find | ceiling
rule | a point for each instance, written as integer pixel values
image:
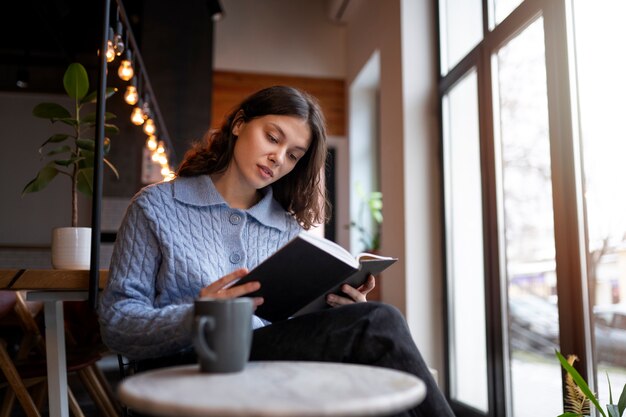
(40, 38)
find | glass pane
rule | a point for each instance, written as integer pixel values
(461, 28)
(599, 33)
(465, 244)
(526, 192)
(503, 8)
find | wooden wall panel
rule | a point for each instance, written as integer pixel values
(230, 88)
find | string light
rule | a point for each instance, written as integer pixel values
(118, 42)
(149, 127)
(137, 116)
(110, 53)
(125, 71)
(151, 143)
(131, 96)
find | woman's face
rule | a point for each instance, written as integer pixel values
(268, 148)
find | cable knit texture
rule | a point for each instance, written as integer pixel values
(176, 238)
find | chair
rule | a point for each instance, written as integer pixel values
(29, 367)
(17, 387)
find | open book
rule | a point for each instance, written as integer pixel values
(296, 279)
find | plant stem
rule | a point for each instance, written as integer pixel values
(75, 169)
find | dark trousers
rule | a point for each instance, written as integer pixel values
(362, 333)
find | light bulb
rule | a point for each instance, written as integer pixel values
(110, 51)
(131, 96)
(155, 157)
(165, 171)
(162, 159)
(137, 116)
(160, 148)
(126, 71)
(151, 143)
(118, 42)
(149, 127)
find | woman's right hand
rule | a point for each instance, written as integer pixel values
(222, 288)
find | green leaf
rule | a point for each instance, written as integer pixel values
(610, 389)
(91, 97)
(621, 404)
(60, 137)
(86, 144)
(110, 165)
(43, 178)
(612, 409)
(76, 81)
(85, 181)
(569, 414)
(87, 161)
(68, 162)
(376, 205)
(51, 111)
(60, 149)
(111, 130)
(91, 117)
(90, 145)
(580, 382)
(68, 121)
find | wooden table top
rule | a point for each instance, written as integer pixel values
(47, 279)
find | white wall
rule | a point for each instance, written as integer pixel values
(295, 37)
(403, 33)
(422, 189)
(287, 37)
(28, 220)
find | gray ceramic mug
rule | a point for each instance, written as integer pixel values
(222, 333)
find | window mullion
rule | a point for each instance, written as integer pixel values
(572, 288)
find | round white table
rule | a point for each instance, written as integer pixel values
(275, 389)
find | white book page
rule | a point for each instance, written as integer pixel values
(365, 256)
(330, 247)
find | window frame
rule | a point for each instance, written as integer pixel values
(568, 204)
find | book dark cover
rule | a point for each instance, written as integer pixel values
(296, 275)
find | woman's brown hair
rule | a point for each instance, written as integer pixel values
(300, 192)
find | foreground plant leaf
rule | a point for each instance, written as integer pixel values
(580, 382)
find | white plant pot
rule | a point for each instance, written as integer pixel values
(71, 248)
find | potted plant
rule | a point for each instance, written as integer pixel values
(578, 393)
(72, 155)
(370, 217)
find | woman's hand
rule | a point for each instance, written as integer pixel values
(222, 288)
(354, 295)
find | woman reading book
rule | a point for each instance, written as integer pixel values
(238, 196)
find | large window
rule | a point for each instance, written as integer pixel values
(533, 141)
(465, 244)
(600, 56)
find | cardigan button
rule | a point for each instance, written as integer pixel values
(235, 258)
(235, 218)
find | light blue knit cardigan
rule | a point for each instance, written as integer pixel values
(176, 238)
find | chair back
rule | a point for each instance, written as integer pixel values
(7, 302)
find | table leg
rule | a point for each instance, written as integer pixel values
(55, 354)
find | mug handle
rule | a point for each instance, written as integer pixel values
(201, 345)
